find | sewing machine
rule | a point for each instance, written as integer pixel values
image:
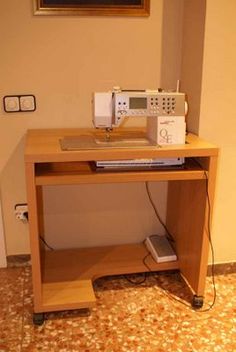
(165, 112)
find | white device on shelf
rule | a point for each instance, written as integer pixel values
(160, 248)
(140, 163)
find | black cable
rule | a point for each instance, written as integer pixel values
(145, 274)
(211, 245)
(168, 234)
(144, 262)
(136, 282)
(46, 244)
(167, 294)
(209, 238)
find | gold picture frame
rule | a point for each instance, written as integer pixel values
(92, 8)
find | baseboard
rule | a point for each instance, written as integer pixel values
(222, 269)
(20, 260)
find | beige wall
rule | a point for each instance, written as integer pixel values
(62, 60)
(171, 48)
(192, 58)
(208, 76)
(218, 117)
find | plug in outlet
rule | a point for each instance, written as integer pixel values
(21, 212)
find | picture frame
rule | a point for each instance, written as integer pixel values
(92, 7)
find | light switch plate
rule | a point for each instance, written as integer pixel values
(27, 103)
(11, 103)
(19, 103)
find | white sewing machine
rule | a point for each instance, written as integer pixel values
(165, 112)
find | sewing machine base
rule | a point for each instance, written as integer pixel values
(98, 142)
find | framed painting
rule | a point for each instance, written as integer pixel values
(93, 7)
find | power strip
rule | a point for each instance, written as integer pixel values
(160, 248)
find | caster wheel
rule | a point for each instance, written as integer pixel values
(38, 318)
(197, 302)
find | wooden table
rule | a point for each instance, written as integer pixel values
(62, 279)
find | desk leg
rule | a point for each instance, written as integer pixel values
(34, 235)
(186, 212)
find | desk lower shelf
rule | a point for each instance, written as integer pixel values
(82, 172)
(67, 275)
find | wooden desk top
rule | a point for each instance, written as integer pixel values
(42, 145)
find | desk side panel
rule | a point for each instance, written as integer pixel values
(34, 225)
(185, 221)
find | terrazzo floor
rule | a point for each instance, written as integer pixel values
(153, 316)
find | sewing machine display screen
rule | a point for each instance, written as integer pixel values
(137, 103)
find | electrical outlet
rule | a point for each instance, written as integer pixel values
(21, 212)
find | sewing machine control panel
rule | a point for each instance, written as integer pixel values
(146, 104)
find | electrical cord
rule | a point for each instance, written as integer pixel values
(166, 294)
(211, 245)
(170, 296)
(168, 234)
(145, 274)
(209, 238)
(46, 244)
(136, 282)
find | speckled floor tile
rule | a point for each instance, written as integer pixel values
(11, 308)
(154, 316)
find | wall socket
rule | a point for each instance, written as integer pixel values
(21, 212)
